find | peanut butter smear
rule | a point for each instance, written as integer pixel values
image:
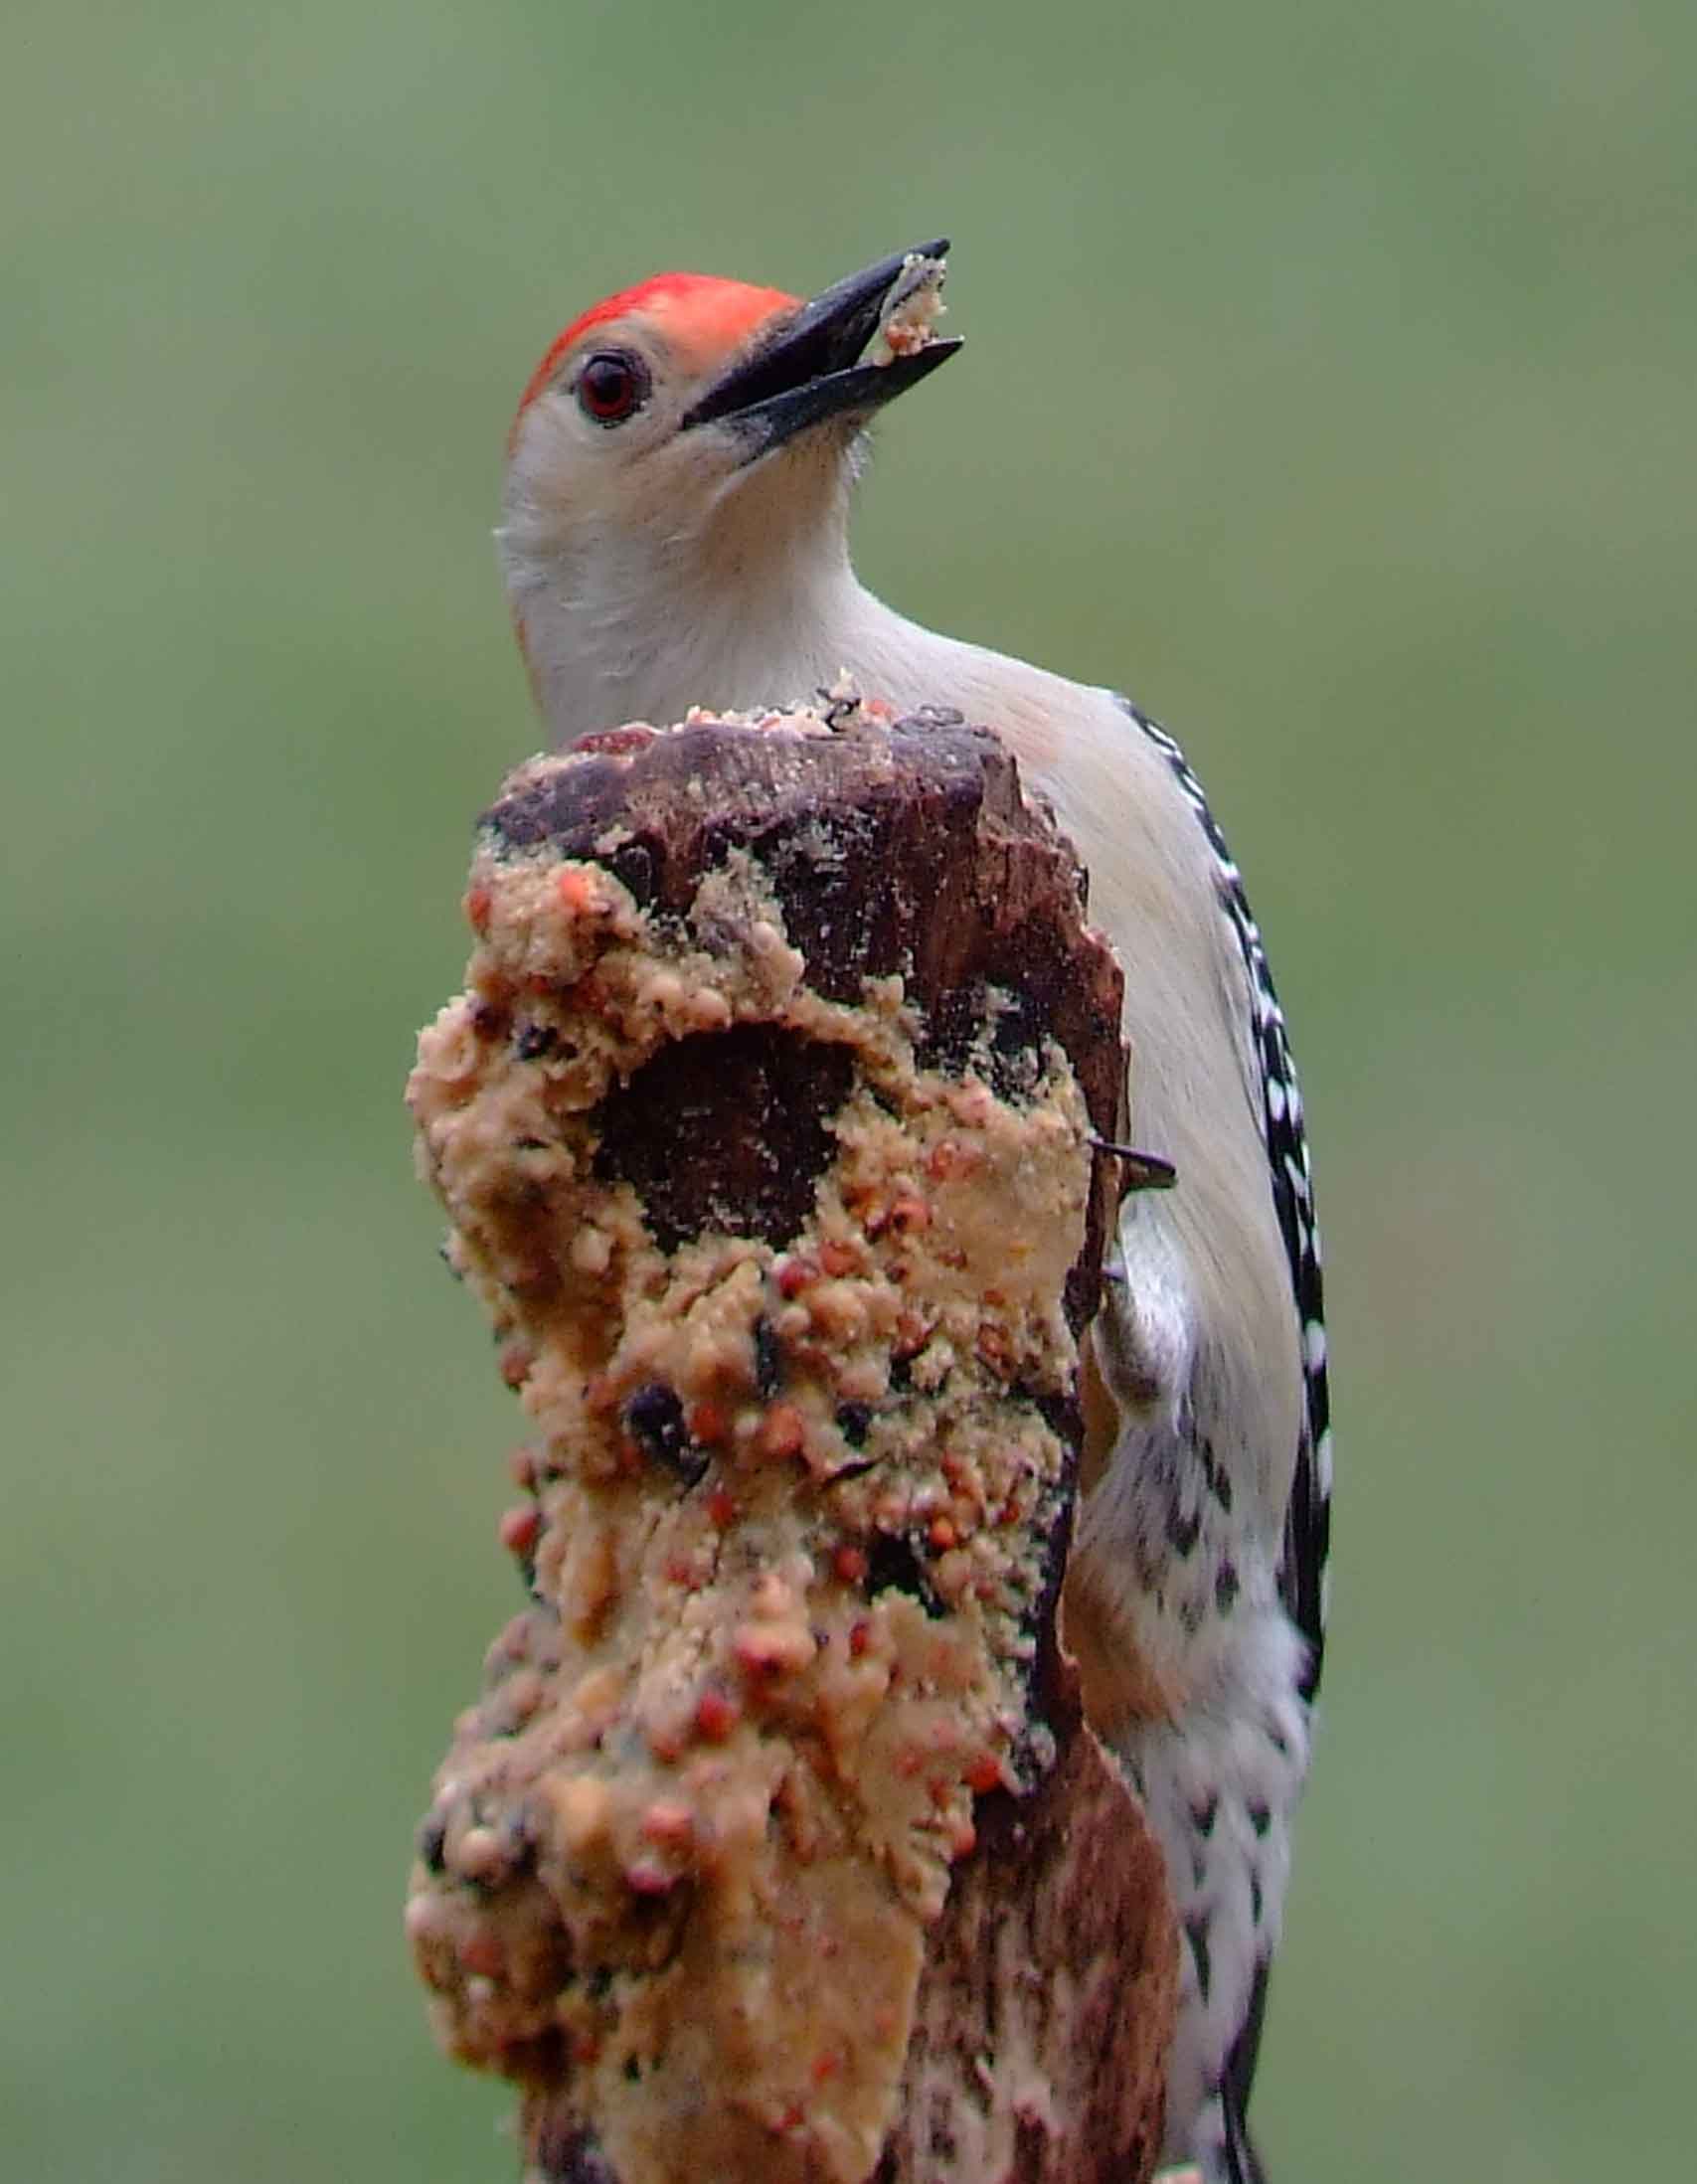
(790, 1507)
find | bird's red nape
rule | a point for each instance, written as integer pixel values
(702, 316)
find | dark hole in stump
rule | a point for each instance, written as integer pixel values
(726, 1130)
(893, 1562)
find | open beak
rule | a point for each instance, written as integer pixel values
(808, 369)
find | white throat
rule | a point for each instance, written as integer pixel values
(753, 603)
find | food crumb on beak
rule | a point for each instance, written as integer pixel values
(907, 321)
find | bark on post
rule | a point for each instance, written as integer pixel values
(775, 1848)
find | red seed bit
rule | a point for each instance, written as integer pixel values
(707, 1422)
(611, 742)
(962, 1839)
(478, 904)
(721, 1509)
(647, 1877)
(797, 1274)
(826, 2065)
(908, 1214)
(850, 1564)
(519, 1529)
(838, 1260)
(717, 1714)
(581, 893)
(586, 2048)
(859, 1638)
(782, 1431)
(521, 1468)
(985, 1775)
(515, 1362)
(942, 1534)
(481, 1951)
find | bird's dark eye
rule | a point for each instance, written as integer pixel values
(613, 386)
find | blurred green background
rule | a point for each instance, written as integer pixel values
(1329, 390)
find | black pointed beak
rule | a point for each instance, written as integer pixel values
(807, 369)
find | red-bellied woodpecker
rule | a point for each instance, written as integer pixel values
(674, 533)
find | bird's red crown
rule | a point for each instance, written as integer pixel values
(702, 317)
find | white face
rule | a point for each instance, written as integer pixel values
(664, 400)
(603, 445)
(629, 536)
(679, 476)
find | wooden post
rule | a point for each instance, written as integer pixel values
(776, 1848)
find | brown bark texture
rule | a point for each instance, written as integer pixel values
(1024, 2044)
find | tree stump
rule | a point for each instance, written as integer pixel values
(775, 1848)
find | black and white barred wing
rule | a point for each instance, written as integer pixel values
(1308, 1523)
